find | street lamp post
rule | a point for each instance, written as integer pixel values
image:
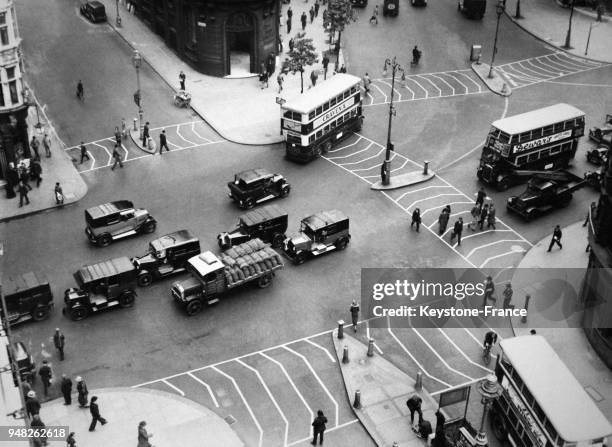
(501, 5)
(567, 45)
(490, 390)
(517, 14)
(385, 172)
(118, 20)
(137, 62)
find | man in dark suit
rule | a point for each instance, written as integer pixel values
(163, 143)
(45, 374)
(58, 341)
(318, 427)
(66, 387)
(145, 134)
(95, 414)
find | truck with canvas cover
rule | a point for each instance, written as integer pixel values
(214, 275)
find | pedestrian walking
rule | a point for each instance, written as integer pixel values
(491, 217)
(32, 404)
(59, 200)
(36, 170)
(556, 238)
(457, 230)
(316, 7)
(80, 91)
(263, 77)
(82, 392)
(163, 142)
(600, 10)
(270, 65)
(94, 410)
(484, 212)
(414, 405)
(279, 80)
(145, 134)
(475, 213)
(312, 14)
(366, 83)
(489, 291)
(440, 421)
(325, 62)
(58, 338)
(342, 69)
(480, 197)
(84, 153)
(289, 13)
(46, 376)
(314, 75)
(66, 387)
(507, 293)
(117, 136)
(416, 219)
(443, 220)
(117, 158)
(124, 131)
(374, 17)
(354, 309)
(182, 78)
(34, 144)
(318, 427)
(291, 44)
(70, 441)
(23, 189)
(416, 55)
(38, 428)
(47, 145)
(288, 25)
(304, 19)
(143, 435)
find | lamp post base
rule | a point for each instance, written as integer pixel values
(385, 172)
(481, 439)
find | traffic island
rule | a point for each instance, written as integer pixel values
(378, 392)
(173, 420)
(494, 80)
(403, 180)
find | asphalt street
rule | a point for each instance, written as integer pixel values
(263, 358)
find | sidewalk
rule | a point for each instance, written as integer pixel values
(173, 420)
(570, 343)
(237, 108)
(548, 21)
(57, 168)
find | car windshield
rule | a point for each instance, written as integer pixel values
(156, 249)
(305, 228)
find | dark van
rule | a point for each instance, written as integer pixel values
(28, 297)
(390, 7)
(94, 11)
(473, 9)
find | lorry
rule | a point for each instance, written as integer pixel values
(28, 297)
(212, 275)
(101, 286)
(547, 191)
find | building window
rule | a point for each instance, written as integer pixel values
(4, 38)
(10, 73)
(2, 104)
(13, 90)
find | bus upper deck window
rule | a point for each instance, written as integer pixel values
(504, 137)
(319, 110)
(347, 94)
(353, 89)
(311, 115)
(525, 136)
(558, 127)
(548, 130)
(332, 102)
(325, 106)
(326, 129)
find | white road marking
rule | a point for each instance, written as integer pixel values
(434, 85)
(365, 159)
(178, 390)
(451, 203)
(344, 147)
(196, 133)
(337, 427)
(351, 154)
(463, 353)
(210, 391)
(316, 345)
(171, 143)
(501, 255)
(110, 156)
(380, 90)
(491, 244)
(244, 401)
(182, 137)
(430, 198)
(481, 232)
(443, 80)
(395, 91)
(440, 357)
(421, 189)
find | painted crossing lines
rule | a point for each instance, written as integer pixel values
(416, 87)
(179, 137)
(363, 158)
(552, 66)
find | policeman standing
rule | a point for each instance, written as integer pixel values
(354, 314)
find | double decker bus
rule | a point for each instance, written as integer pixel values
(314, 121)
(542, 403)
(543, 139)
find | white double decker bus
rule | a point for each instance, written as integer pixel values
(314, 121)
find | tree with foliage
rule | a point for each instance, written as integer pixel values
(302, 55)
(339, 13)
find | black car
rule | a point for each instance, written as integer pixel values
(167, 255)
(359, 3)
(94, 11)
(257, 186)
(390, 7)
(101, 286)
(268, 224)
(418, 2)
(28, 297)
(597, 156)
(116, 220)
(472, 9)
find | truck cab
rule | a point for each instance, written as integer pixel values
(167, 255)
(101, 286)
(268, 224)
(320, 233)
(28, 297)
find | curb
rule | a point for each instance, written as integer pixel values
(204, 116)
(38, 211)
(541, 39)
(489, 82)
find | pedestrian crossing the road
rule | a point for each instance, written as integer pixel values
(544, 68)
(270, 397)
(178, 136)
(416, 87)
(500, 246)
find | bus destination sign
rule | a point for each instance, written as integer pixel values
(332, 113)
(290, 125)
(542, 141)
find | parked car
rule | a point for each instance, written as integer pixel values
(115, 220)
(101, 286)
(268, 224)
(390, 7)
(418, 2)
(167, 255)
(320, 233)
(26, 367)
(28, 297)
(94, 11)
(598, 156)
(359, 3)
(257, 186)
(602, 135)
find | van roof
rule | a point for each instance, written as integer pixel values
(173, 239)
(25, 281)
(324, 218)
(260, 215)
(105, 269)
(96, 212)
